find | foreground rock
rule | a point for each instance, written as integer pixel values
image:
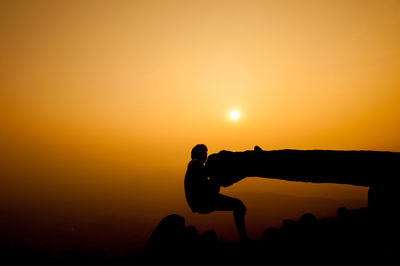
(173, 240)
(350, 236)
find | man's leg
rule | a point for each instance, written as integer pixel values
(238, 214)
(225, 203)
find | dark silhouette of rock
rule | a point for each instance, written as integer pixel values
(378, 170)
(348, 237)
(172, 240)
(168, 235)
(361, 168)
(342, 213)
(272, 233)
(307, 220)
(257, 148)
(209, 238)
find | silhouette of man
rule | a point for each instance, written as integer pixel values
(203, 196)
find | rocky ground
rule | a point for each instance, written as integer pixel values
(353, 236)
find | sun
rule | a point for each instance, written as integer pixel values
(234, 115)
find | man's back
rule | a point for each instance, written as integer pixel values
(198, 187)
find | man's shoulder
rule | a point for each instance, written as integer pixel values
(195, 163)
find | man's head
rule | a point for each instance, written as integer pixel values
(200, 152)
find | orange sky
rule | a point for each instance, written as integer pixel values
(115, 93)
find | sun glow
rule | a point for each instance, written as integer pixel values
(234, 115)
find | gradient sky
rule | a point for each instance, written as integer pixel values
(99, 97)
